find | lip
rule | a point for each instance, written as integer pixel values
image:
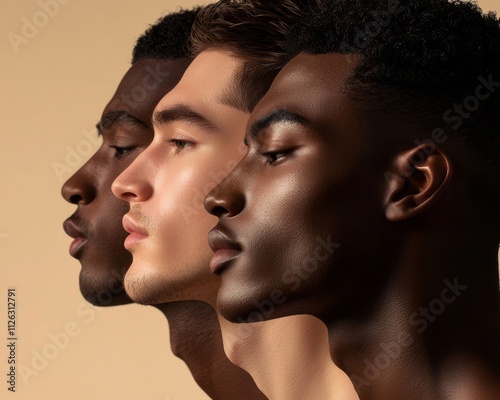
(73, 230)
(225, 250)
(136, 232)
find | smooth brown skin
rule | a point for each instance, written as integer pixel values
(322, 175)
(98, 218)
(194, 329)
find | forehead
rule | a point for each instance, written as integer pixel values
(312, 86)
(207, 81)
(144, 85)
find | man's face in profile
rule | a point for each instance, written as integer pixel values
(198, 140)
(96, 225)
(299, 207)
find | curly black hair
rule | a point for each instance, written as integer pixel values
(168, 38)
(419, 57)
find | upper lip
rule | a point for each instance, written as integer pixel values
(131, 226)
(72, 229)
(219, 239)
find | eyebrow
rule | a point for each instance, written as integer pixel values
(275, 118)
(117, 117)
(183, 113)
(233, 97)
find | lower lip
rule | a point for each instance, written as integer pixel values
(222, 257)
(76, 246)
(133, 239)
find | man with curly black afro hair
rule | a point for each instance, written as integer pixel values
(369, 196)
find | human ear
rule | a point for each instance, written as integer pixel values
(417, 179)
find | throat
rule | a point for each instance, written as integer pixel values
(195, 337)
(288, 358)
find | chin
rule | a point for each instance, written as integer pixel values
(249, 307)
(117, 300)
(234, 308)
(147, 286)
(102, 291)
(139, 286)
(157, 281)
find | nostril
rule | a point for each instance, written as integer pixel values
(128, 196)
(218, 211)
(75, 199)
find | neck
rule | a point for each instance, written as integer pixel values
(288, 358)
(195, 337)
(436, 323)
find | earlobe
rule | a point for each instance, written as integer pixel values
(417, 179)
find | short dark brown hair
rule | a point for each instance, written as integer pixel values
(253, 31)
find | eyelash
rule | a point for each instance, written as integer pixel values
(177, 142)
(121, 151)
(274, 156)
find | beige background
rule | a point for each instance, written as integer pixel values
(52, 90)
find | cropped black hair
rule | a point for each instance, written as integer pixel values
(420, 57)
(168, 38)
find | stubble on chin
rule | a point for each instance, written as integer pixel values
(150, 287)
(100, 290)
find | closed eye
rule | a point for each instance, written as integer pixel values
(274, 156)
(121, 151)
(180, 144)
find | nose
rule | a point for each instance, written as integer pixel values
(80, 188)
(133, 184)
(227, 199)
